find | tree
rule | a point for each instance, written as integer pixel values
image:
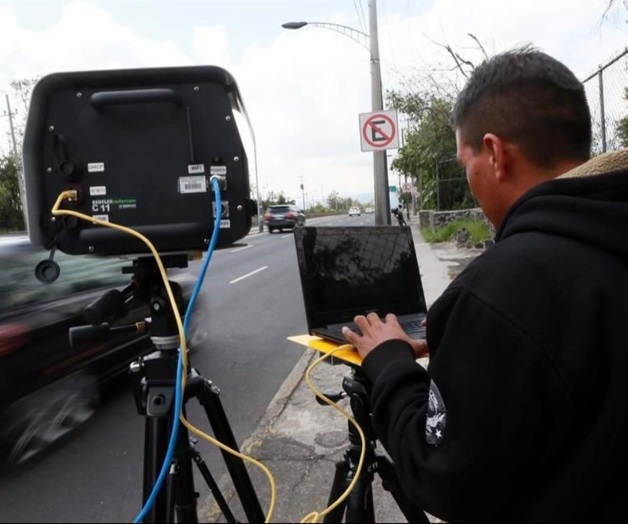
(430, 145)
(428, 154)
(21, 91)
(276, 199)
(11, 212)
(333, 200)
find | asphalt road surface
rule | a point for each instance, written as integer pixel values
(251, 301)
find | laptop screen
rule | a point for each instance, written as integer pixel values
(349, 271)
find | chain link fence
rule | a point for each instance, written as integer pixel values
(607, 94)
(452, 189)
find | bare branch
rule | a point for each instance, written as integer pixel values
(477, 41)
(451, 52)
(468, 62)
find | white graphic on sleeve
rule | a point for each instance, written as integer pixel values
(436, 417)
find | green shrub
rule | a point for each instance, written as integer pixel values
(478, 231)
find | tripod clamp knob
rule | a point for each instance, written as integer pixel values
(333, 395)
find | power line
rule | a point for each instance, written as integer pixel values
(390, 44)
(360, 13)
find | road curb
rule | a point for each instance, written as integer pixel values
(274, 410)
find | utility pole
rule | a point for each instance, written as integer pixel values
(16, 158)
(302, 190)
(10, 115)
(380, 171)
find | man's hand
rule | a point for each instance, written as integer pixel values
(374, 332)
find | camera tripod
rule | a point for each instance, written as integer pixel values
(154, 383)
(359, 505)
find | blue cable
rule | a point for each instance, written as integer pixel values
(178, 404)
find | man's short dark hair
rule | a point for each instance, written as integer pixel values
(530, 99)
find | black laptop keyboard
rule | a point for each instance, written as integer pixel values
(409, 326)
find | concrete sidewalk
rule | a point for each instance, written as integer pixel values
(300, 441)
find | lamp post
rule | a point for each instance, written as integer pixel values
(371, 42)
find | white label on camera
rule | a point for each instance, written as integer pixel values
(196, 168)
(97, 191)
(192, 184)
(104, 218)
(96, 167)
(225, 223)
(217, 170)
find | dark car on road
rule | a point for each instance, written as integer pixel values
(286, 216)
(47, 386)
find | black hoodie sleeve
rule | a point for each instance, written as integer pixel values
(470, 437)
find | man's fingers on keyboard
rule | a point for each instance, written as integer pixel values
(391, 318)
(348, 334)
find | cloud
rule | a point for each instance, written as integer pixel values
(304, 93)
(84, 37)
(305, 89)
(211, 45)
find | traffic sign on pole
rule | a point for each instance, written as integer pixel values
(379, 131)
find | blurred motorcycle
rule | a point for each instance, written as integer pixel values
(399, 216)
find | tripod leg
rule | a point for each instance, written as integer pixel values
(185, 495)
(390, 482)
(360, 502)
(337, 489)
(358, 507)
(208, 396)
(155, 447)
(211, 483)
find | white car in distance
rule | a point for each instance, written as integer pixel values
(354, 211)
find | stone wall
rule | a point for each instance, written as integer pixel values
(437, 219)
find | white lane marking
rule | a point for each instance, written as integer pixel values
(240, 248)
(288, 236)
(248, 275)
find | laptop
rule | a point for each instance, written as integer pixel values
(349, 271)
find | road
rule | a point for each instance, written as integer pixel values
(251, 301)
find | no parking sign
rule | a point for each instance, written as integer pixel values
(379, 131)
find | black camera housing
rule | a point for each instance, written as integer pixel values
(139, 146)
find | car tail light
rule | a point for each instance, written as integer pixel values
(12, 337)
(267, 216)
(290, 215)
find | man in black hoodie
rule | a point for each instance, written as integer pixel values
(522, 414)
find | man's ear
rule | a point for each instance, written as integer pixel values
(497, 155)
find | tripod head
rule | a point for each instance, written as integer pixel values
(146, 286)
(357, 388)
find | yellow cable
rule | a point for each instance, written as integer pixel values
(72, 195)
(315, 516)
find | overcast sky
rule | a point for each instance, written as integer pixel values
(303, 90)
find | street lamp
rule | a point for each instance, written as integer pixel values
(369, 41)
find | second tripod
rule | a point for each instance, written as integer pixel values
(359, 505)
